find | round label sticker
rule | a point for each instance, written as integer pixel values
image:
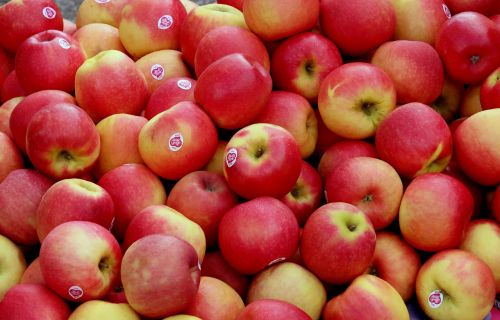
(447, 11)
(435, 299)
(175, 142)
(75, 292)
(184, 84)
(49, 13)
(165, 22)
(157, 71)
(102, 1)
(231, 157)
(64, 43)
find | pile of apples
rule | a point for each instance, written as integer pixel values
(250, 159)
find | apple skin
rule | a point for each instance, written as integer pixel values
(216, 163)
(5, 113)
(471, 101)
(238, 4)
(468, 46)
(33, 301)
(209, 199)
(69, 27)
(110, 83)
(133, 187)
(233, 90)
(165, 285)
(396, 262)
(13, 265)
(475, 147)
(178, 141)
(73, 199)
(97, 37)
(423, 143)
(49, 60)
(330, 236)
(354, 98)
(357, 27)
(448, 102)
(6, 64)
(435, 210)
(486, 7)
(326, 137)
(301, 62)
(170, 92)
(107, 12)
(271, 309)
(20, 20)
(11, 87)
(84, 246)
(20, 194)
(490, 91)
(367, 292)
(306, 291)
(215, 300)
(249, 252)
(482, 238)
(10, 156)
(62, 141)
(274, 20)
(161, 219)
(370, 184)
(465, 282)
(415, 68)
(33, 273)
(262, 160)
(97, 309)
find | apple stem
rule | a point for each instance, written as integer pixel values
(475, 59)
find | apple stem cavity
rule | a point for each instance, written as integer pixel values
(474, 59)
(367, 198)
(368, 107)
(352, 227)
(65, 155)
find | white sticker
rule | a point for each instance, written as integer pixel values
(231, 157)
(175, 142)
(165, 22)
(75, 292)
(447, 11)
(49, 13)
(64, 43)
(435, 299)
(157, 72)
(184, 84)
(102, 1)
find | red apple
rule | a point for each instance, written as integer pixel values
(33, 273)
(326, 137)
(490, 91)
(5, 113)
(448, 102)
(11, 87)
(470, 102)
(272, 309)
(97, 37)
(486, 7)
(6, 65)
(98, 309)
(100, 11)
(170, 92)
(10, 156)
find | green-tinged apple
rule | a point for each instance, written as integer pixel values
(367, 297)
(10, 156)
(97, 309)
(177, 141)
(110, 83)
(423, 142)
(486, 7)
(160, 275)
(272, 309)
(357, 27)
(100, 11)
(470, 102)
(414, 67)
(119, 134)
(258, 233)
(20, 20)
(396, 262)
(337, 243)
(33, 273)
(354, 98)
(482, 238)
(234, 90)
(12, 265)
(448, 102)
(133, 187)
(97, 37)
(305, 292)
(70, 200)
(300, 63)
(86, 247)
(490, 91)
(5, 113)
(262, 160)
(20, 194)
(434, 212)
(62, 141)
(370, 184)
(165, 220)
(455, 285)
(11, 88)
(215, 300)
(161, 65)
(170, 92)
(33, 301)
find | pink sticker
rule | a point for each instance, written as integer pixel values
(49, 13)
(175, 142)
(102, 1)
(157, 72)
(231, 157)
(447, 11)
(75, 292)
(435, 299)
(64, 43)
(184, 84)
(165, 22)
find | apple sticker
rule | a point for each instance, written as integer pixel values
(64, 43)
(231, 157)
(435, 299)
(75, 292)
(175, 142)
(184, 84)
(165, 22)
(157, 72)
(49, 13)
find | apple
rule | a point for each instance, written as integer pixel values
(182, 316)
(234, 90)
(5, 113)
(326, 137)
(471, 101)
(189, 5)
(170, 92)
(238, 4)
(73, 199)
(468, 46)
(486, 7)
(301, 62)
(178, 141)
(84, 246)
(250, 251)
(455, 284)
(20, 194)
(97, 309)
(110, 83)
(10, 156)
(160, 275)
(33, 273)
(11, 87)
(357, 27)
(306, 291)
(354, 98)
(133, 187)
(6, 65)
(216, 163)
(331, 236)
(13, 265)
(97, 37)
(262, 160)
(69, 27)
(490, 90)
(448, 102)
(272, 309)
(367, 292)
(100, 11)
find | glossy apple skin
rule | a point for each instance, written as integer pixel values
(486, 7)
(5, 114)
(6, 65)
(490, 91)
(108, 12)
(97, 37)
(10, 156)
(272, 309)
(169, 93)
(98, 309)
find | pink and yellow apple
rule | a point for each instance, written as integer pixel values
(170, 92)
(5, 113)
(97, 37)
(100, 11)
(12, 265)
(97, 309)
(10, 156)
(490, 91)
(272, 309)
